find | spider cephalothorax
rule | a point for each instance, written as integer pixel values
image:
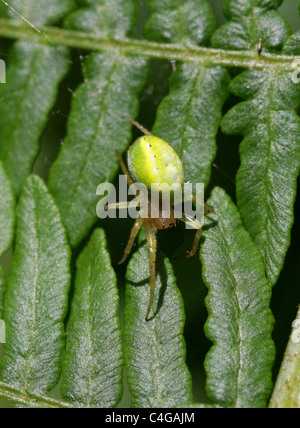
(152, 162)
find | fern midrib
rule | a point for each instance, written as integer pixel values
(37, 297)
(17, 396)
(89, 292)
(32, 333)
(267, 174)
(156, 376)
(126, 46)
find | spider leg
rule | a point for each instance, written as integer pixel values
(139, 126)
(195, 224)
(116, 206)
(198, 226)
(124, 169)
(151, 232)
(134, 232)
(195, 246)
(207, 208)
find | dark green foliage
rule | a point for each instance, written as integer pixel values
(39, 12)
(103, 18)
(270, 159)
(188, 119)
(292, 45)
(250, 20)
(185, 22)
(155, 349)
(93, 364)
(37, 294)
(239, 364)
(95, 132)
(96, 128)
(268, 121)
(243, 249)
(7, 212)
(33, 76)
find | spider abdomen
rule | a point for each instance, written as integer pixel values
(153, 161)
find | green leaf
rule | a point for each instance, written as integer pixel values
(292, 46)
(200, 406)
(155, 349)
(7, 212)
(286, 393)
(37, 294)
(189, 117)
(270, 159)
(96, 129)
(33, 76)
(36, 11)
(239, 364)
(174, 21)
(250, 20)
(2, 291)
(103, 18)
(157, 371)
(93, 364)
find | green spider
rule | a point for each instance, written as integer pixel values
(153, 161)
